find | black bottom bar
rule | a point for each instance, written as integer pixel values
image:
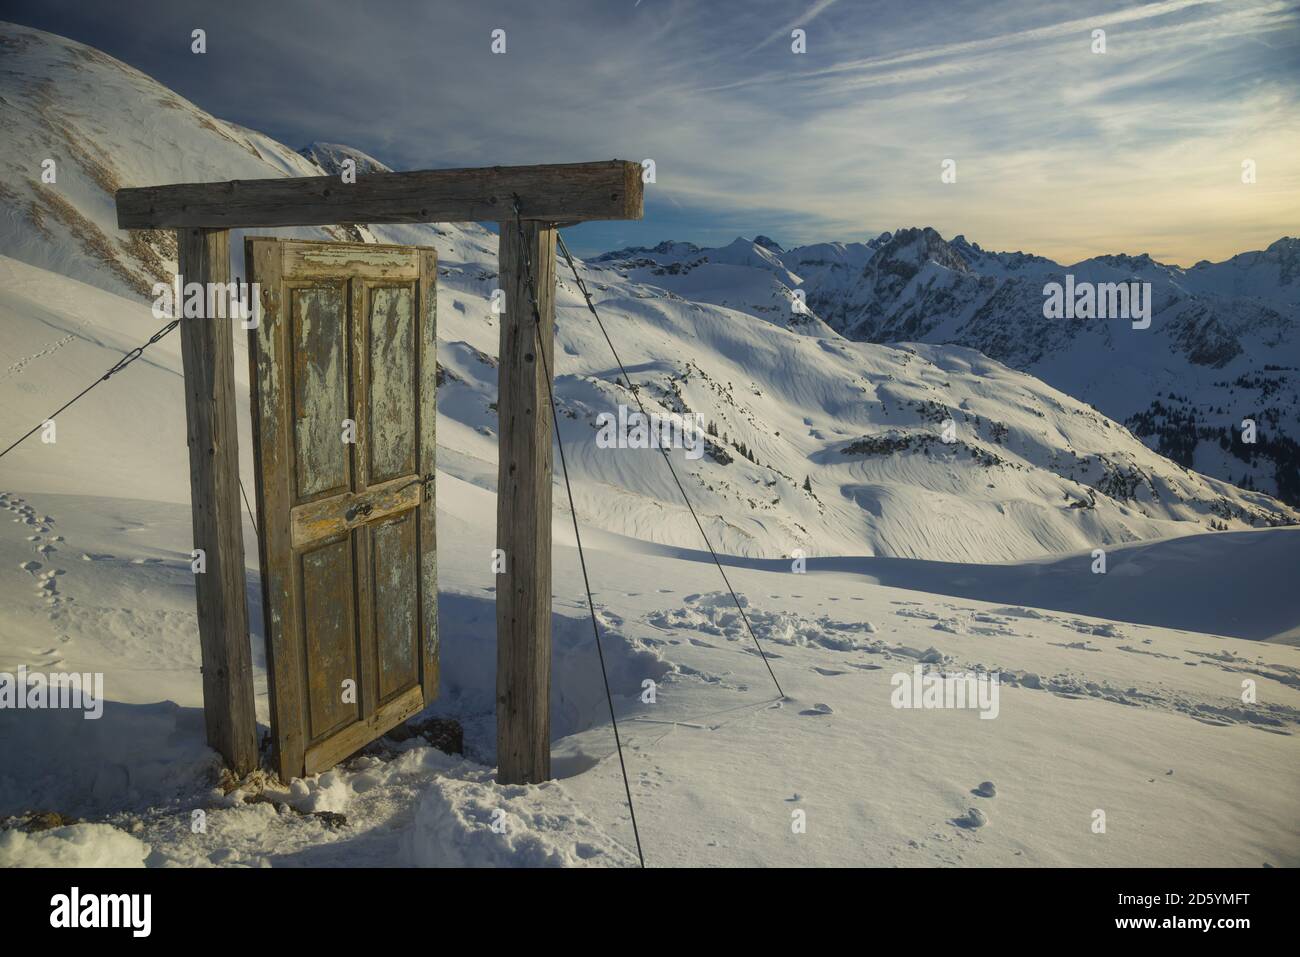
(267, 907)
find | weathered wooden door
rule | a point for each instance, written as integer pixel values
(343, 376)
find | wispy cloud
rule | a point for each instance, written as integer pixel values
(1059, 150)
(811, 14)
(950, 55)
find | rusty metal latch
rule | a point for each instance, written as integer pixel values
(364, 509)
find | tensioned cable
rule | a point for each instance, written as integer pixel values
(121, 364)
(573, 511)
(636, 394)
(251, 518)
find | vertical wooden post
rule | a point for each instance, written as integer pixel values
(208, 354)
(524, 507)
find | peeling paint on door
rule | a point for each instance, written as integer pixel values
(348, 548)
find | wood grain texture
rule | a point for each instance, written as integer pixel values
(394, 569)
(325, 518)
(272, 446)
(356, 262)
(319, 323)
(427, 429)
(326, 754)
(390, 362)
(212, 433)
(523, 596)
(308, 260)
(567, 192)
(329, 616)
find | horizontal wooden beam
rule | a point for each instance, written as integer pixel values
(569, 192)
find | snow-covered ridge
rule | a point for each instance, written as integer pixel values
(1222, 346)
(106, 126)
(331, 156)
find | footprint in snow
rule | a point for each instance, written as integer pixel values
(972, 820)
(30, 567)
(987, 789)
(817, 710)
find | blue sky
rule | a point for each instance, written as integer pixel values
(1059, 150)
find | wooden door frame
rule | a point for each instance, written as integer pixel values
(202, 214)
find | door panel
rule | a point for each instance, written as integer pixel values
(348, 537)
(393, 356)
(397, 609)
(320, 397)
(330, 626)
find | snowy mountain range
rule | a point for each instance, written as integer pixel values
(1222, 345)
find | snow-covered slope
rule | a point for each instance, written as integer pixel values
(746, 275)
(1222, 345)
(1141, 720)
(106, 125)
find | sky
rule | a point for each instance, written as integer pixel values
(1058, 150)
